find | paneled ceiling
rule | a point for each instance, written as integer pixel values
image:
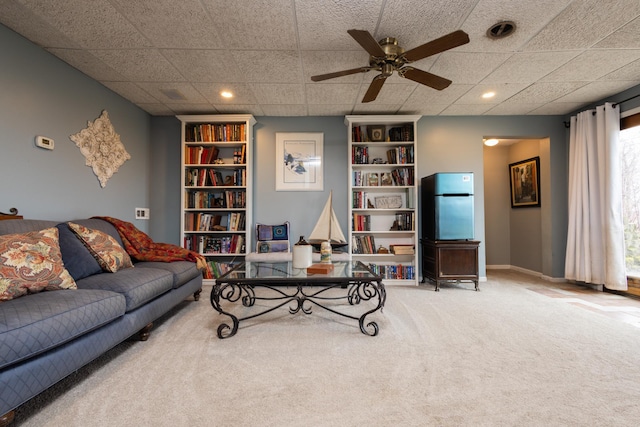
(175, 57)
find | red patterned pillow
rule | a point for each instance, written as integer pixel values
(30, 263)
(104, 248)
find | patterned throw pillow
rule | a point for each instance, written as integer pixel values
(30, 263)
(104, 248)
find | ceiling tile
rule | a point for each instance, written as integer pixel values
(512, 108)
(425, 109)
(337, 93)
(556, 108)
(372, 108)
(626, 37)
(426, 95)
(268, 66)
(187, 92)
(242, 93)
(541, 93)
(253, 109)
(584, 23)
(596, 90)
(92, 24)
(284, 110)
(186, 108)
(529, 67)
(139, 65)
(629, 72)
(183, 23)
(254, 24)
(131, 91)
(593, 64)
(502, 92)
(323, 24)
(279, 93)
(88, 63)
(330, 110)
(467, 67)
(198, 65)
(465, 110)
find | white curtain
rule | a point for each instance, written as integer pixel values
(595, 240)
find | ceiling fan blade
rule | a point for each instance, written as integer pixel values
(374, 88)
(366, 40)
(455, 39)
(424, 78)
(340, 74)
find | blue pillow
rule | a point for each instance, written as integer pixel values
(76, 258)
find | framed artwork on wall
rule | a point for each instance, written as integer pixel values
(299, 161)
(524, 177)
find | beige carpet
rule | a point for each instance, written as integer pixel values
(504, 356)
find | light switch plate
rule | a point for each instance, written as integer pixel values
(142, 213)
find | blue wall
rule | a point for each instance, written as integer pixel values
(41, 95)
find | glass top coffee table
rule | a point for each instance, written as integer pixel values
(350, 290)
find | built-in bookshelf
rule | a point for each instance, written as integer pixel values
(383, 195)
(216, 187)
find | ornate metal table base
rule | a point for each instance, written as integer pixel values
(300, 297)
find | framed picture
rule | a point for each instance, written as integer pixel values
(299, 161)
(525, 183)
(376, 132)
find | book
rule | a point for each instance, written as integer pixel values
(320, 268)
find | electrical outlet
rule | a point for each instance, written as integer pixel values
(142, 213)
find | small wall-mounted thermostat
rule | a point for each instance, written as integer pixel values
(44, 142)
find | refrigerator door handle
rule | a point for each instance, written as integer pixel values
(456, 195)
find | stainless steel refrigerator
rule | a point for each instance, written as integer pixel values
(447, 206)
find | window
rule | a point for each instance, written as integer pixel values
(630, 139)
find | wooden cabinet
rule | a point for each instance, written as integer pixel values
(216, 202)
(450, 260)
(383, 195)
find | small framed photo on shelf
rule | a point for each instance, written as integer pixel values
(376, 133)
(386, 178)
(372, 179)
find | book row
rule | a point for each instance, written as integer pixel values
(199, 155)
(405, 221)
(213, 245)
(361, 222)
(219, 268)
(399, 271)
(397, 177)
(212, 132)
(369, 133)
(363, 245)
(209, 177)
(215, 200)
(197, 221)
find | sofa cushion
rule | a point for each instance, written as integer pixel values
(138, 285)
(37, 323)
(77, 258)
(182, 271)
(104, 248)
(31, 262)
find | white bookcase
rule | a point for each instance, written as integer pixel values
(216, 201)
(383, 195)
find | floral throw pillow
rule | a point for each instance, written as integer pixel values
(104, 248)
(31, 262)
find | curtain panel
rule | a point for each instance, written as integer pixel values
(595, 237)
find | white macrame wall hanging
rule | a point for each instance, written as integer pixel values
(101, 146)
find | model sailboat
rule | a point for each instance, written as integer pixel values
(328, 228)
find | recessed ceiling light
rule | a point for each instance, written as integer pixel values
(488, 95)
(226, 94)
(491, 142)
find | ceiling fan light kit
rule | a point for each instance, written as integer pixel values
(386, 56)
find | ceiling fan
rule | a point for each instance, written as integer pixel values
(386, 56)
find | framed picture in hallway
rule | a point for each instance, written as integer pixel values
(525, 183)
(299, 161)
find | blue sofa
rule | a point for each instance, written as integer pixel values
(46, 336)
